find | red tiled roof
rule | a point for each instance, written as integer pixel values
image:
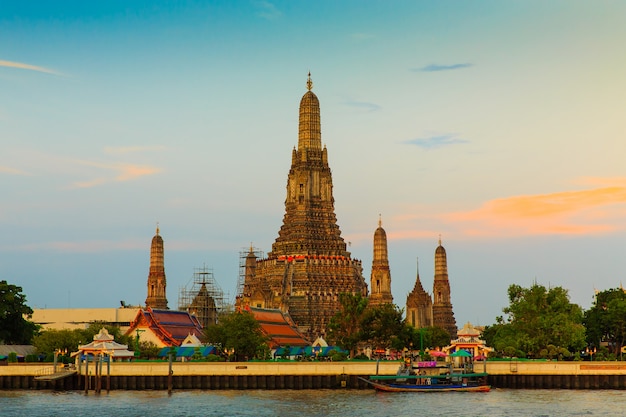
(279, 327)
(171, 327)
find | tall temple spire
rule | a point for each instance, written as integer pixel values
(310, 211)
(309, 128)
(156, 277)
(380, 291)
(309, 265)
(443, 316)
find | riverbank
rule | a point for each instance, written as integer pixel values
(304, 375)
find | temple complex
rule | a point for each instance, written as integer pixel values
(380, 282)
(424, 311)
(156, 277)
(309, 265)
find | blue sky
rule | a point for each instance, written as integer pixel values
(497, 125)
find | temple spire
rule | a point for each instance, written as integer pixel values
(156, 277)
(309, 128)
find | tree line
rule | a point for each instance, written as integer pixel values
(539, 322)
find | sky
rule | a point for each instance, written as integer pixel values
(496, 126)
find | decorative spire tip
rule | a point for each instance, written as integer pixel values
(309, 82)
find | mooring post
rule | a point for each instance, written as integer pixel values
(109, 372)
(86, 374)
(169, 374)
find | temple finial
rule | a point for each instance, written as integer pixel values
(309, 82)
(439, 239)
(157, 229)
(380, 220)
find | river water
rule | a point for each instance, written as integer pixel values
(304, 403)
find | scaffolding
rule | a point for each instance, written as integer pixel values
(243, 255)
(203, 297)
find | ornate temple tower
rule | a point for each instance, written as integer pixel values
(156, 278)
(309, 265)
(380, 283)
(419, 306)
(442, 307)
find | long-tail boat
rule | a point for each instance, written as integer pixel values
(428, 377)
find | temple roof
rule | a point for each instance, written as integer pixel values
(103, 343)
(279, 327)
(171, 327)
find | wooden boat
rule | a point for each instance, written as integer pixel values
(474, 382)
(429, 377)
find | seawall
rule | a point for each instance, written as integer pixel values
(305, 375)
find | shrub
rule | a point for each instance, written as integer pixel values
(12, 357)
(31, 358)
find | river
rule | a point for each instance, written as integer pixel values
(304, 403)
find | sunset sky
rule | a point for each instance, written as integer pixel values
(499, 126)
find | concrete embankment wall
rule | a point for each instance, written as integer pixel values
(559, 375)
(308, 375)
(204, 375)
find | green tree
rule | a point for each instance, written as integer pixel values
(241, 332)
(148, 350)
(344, 328)
(605, 321)
(49, 341)
(537, 318)
(14, 328)
(382, 326)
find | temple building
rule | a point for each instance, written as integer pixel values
(442, 306)
(419, 306)
(380, 282)
(309, 265)
(156, 277)
(164, 327)
(424, 311)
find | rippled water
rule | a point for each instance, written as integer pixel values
(499, 402)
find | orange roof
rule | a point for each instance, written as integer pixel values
(279, 327)
(170, 326)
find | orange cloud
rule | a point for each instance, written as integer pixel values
(600, 208)
(12, 171)
(563, 213)
(21, 65)
(125, 172)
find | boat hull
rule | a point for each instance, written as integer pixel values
(393, 387)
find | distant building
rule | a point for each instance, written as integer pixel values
(443, 316)
(81, 318)
(422, 311)
(204, 298)
(380, 282)
(419, 306)
(156, 277)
